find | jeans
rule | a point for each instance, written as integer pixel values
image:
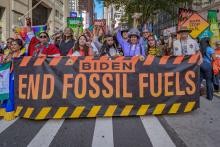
(206, 73)
(216, 83)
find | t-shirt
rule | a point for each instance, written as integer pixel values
(184, 47)
(208, 55)
(187, 47)
(65, 46)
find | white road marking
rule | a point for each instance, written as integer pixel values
(103, 133)
(46, 134)
(5, 124)
(157, 134)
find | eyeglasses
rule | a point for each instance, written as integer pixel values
(110, 40)
(43, 36)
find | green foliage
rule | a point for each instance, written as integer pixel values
(147, 7)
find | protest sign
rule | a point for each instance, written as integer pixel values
(74, 87)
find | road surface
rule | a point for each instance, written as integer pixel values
(200, 128)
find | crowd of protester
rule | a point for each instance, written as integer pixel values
(122, 41)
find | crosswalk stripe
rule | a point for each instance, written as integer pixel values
(5, 124)
(46, 134)
(103, 133)
(156, 133)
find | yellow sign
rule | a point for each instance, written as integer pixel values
(197, 24)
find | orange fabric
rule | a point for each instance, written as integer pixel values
(216, 62)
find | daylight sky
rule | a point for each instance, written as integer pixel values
(99, 9)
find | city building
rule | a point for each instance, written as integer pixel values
(111, 13)
(202, 7)
(86, 8)
(74, 5)
(167, 21)
(46, 11)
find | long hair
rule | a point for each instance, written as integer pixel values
(19, 42)
(204, 44)
(85, 47)
(72, 36)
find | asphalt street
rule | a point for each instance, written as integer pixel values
(200, 128)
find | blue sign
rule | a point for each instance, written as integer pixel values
(206, 33)
(73, 14)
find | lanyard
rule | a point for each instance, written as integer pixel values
(182, 47)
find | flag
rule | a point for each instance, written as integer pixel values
(39, 29)
(4, 81)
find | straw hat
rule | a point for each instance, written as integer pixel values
(184, 29)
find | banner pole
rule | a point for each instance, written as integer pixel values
(30, 10)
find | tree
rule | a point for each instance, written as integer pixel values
(147, 7)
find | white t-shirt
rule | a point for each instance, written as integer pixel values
(187, 47)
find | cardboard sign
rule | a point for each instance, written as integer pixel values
(75, 24)
(197, 24)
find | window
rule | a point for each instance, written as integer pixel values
(61, 16)
(57, 13)
(16, 20)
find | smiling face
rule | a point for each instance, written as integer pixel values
(9, 43)
(110, 41)
(82, 41)
(43, 38)
(151, 41)
(184, 35)
(134, 39)
(146, 34)
(125, 35)
(68, 32)
(15, 46)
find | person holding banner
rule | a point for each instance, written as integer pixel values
(109, 47)
(144, 38)
(153, 48)
(8, 47)
(40, 46)
(132, 47)
(122, 35)
(17, 50)
(67, 42)
(185, 45)
(80, 48)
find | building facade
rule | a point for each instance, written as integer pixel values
(111, 13)
(167, 21)
(202, 7)
(86, 7)
(74, 5)
(47, 11)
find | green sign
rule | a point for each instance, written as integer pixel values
(75, 24)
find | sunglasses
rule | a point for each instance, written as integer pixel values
(43, 36)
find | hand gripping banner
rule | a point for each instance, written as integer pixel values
(75, 87)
